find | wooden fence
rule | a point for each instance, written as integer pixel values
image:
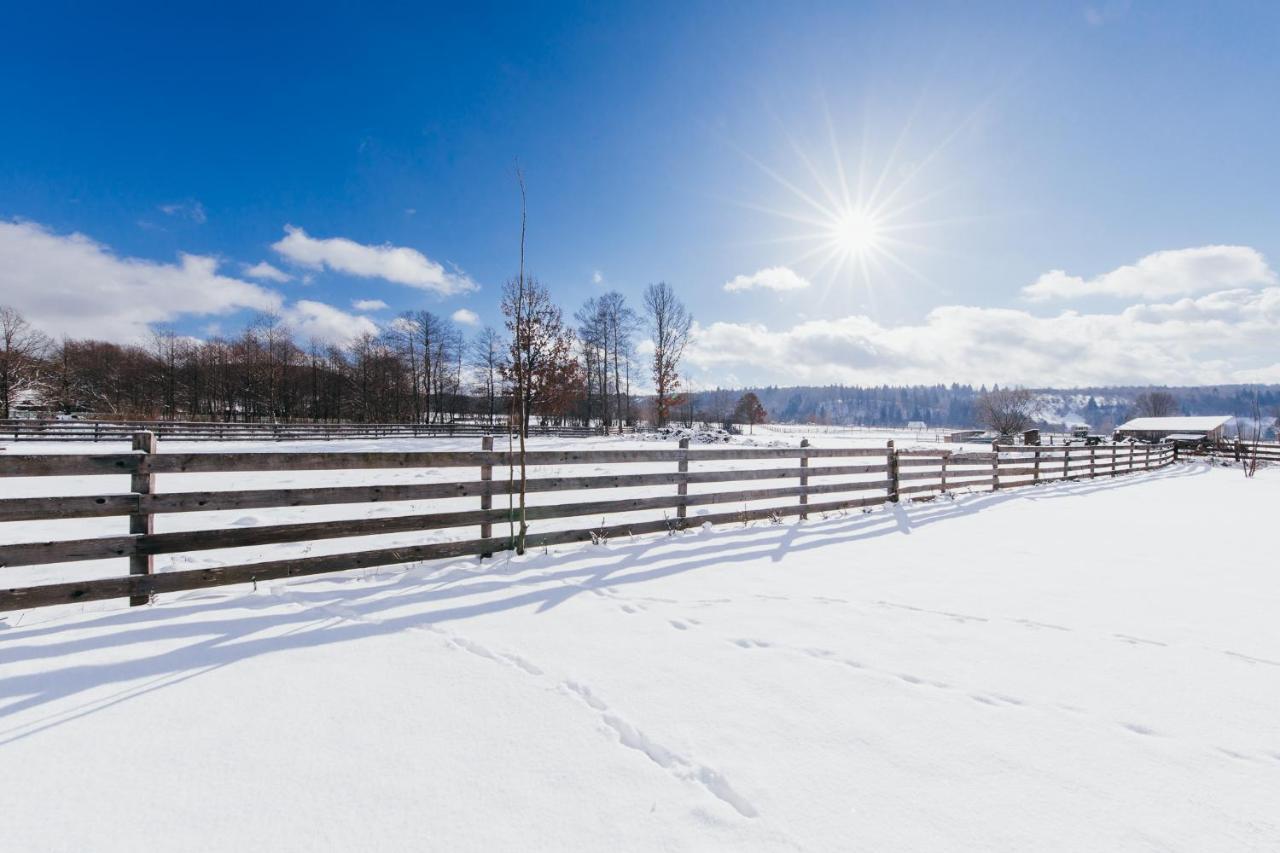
(852, 477)
(26, 429)
(1238, 451)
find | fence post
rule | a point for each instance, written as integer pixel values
(893, 473)
(1115, 459)
(804, 477)
(946, 454)
(142, 522)
(1066, 462)
(1093, 460)
(1035, 477)
(682, 479)
(995, 465)
(486, 499)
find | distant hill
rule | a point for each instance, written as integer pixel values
(1102, 408)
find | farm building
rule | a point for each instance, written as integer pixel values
(917, 425)
(1158, 429)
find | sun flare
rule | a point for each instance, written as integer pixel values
(855, 232)
(857, 222)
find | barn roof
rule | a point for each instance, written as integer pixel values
(1198, 423)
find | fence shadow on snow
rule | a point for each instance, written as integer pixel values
(236, 627)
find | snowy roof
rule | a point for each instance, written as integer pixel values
(1201, 423)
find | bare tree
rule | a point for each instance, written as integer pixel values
(595, 331)
(1155, 404)
(541, 363)
(750, 410)
(1248, 438)
(22, 348)
(486, 362)
(1006, 410)
(514, 309)
(621, 327)
(669, 324)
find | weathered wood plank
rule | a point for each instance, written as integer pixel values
(142, 523)
(971, 459)
(38, 553)
(33, 509)
(92, 506)
(67, 465)
(1014, 472)
(191, 463)
(921, 475)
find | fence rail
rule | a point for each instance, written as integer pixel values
(852, 478)
(1238, 451)
(24, 429)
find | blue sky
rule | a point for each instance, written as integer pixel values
(675, 142)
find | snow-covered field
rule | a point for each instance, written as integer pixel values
(1079, 666)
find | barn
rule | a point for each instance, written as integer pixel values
(1211, 427)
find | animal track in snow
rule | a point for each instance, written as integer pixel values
(958, 617)
(678, 765)
(1139, 641)
(1031, 623)
(1252, 659)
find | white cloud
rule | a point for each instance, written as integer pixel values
(320, 322)
(770, 278)
(72, 285)
(1228, 336)
(368, 304)
(192, 210)
(267, 272)
(1162, 274)
(399, 264)
(466, 317)
(597, 277)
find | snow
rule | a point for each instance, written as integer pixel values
(1080, 666)
(1201, 423)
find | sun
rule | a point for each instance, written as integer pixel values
(857, 222)
(855, 233)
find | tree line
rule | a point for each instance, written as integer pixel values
(420, 368)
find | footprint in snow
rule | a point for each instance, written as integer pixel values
(678, 625)
(1138, 728)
